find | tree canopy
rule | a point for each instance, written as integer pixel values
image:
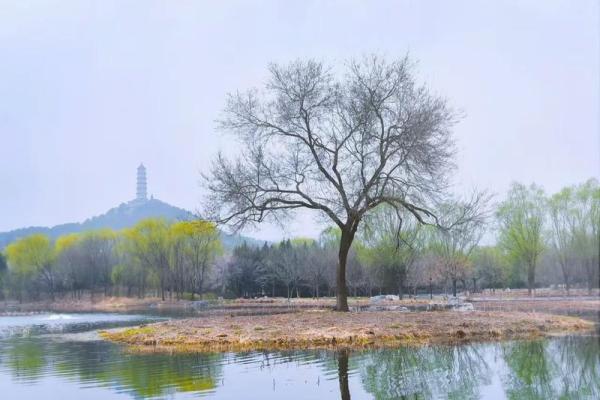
(338, 145)
(521, 217)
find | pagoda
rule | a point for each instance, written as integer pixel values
(141, 191)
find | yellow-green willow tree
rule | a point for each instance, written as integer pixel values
(521, 217)
(194, 247)
(587, 231)
(147, 245)
(33, 255)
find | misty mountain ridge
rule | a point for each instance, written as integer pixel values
(123, 216)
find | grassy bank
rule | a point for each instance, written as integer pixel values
(327, 329)
(98, 304)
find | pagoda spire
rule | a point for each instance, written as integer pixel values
(141, 193)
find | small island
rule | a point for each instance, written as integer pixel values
(317, 327)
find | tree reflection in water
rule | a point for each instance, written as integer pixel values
(103, 364)
(26, 359)
(425, 372)
(564, 368)
(342, 359)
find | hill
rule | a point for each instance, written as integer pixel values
(123, 216)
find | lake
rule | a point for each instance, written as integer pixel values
(59, 356)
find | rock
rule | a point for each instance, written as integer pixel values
(455, 301)
(377, 299)
(464, 307)
(384, 307)
(383, 297)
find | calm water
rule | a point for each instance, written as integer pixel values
(59, 356)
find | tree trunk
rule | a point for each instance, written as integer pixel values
(530, 279)
(401, 278)
(589, 271)
(567, 283)
(201, 281)
(342, 288)
(50, 279)
(454, 287)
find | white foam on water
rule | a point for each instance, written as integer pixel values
(56, 317)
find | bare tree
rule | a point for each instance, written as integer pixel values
(338, 146)
(428, 271)
(454, 245)
(316, 268)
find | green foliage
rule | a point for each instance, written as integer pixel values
(30, 255)
(194, 245)
(147, 244)
(491, 266)
(3, 264)
(563, 233)
(330, 237)
(138, 258)
(586, 231)
(390, 243)
(521, 220)
(33, 256)
(3, 274)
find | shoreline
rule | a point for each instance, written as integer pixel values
(355, 330)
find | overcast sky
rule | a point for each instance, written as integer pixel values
(89, 89)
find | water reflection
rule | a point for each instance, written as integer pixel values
(426, 372)
(561, 368)
(342, 360)
(105, 365)
(568, 368)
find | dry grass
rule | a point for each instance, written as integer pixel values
(327, 329)
(565, 307)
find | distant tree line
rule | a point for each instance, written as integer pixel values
(541, 240)
(169, 259)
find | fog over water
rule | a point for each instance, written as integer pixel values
(88, 90)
